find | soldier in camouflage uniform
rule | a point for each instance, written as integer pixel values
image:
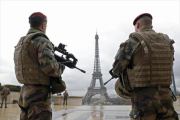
(35, 64)
(147, 59)
(4, 93)
(65, 95)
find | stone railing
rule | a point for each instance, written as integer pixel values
(177, 103)
(71, 100)
(57, 100)
(13, 97)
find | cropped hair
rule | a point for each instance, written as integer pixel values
(36, 21)
(145, 21)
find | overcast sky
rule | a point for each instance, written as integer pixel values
(74, 23)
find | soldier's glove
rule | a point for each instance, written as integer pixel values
(61, 67)
(111, 73)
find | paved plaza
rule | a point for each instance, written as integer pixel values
(76, 112)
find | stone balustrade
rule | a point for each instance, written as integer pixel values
(13, 97)
(177, 103)
(58, 100)
(72, 100)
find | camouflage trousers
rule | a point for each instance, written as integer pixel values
(34, 102)
(65, 101)
(4, 98)
(152, 104)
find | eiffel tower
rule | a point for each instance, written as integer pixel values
(92, 90)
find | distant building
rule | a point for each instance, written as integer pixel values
(113, 96)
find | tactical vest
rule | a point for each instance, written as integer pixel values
(155, 66)
(26, 68)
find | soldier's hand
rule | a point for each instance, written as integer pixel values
(111, 73)
(61, 67)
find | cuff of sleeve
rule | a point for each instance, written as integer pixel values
(61, 67)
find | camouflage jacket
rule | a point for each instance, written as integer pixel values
(124, 56)
(5, 91)
(46, 59)
(65, 94)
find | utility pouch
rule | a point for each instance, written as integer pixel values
(126, 81)
(57, 85)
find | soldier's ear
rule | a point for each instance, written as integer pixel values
(43, 26)
(138, 25)
(151, 26)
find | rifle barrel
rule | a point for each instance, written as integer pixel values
(108, 80)
(80, 69)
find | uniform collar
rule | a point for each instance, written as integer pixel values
(146, 29)
(34, 30)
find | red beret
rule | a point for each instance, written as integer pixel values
(137, 18)
(39, 14)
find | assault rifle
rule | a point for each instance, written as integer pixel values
(69, 60)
